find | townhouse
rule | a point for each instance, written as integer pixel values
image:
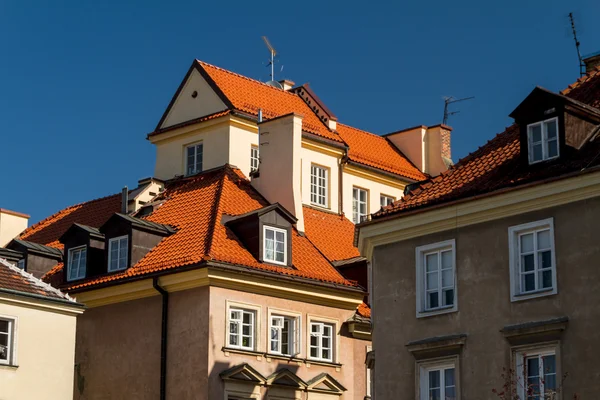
(486, 276)
(232, 272)
(37, 335)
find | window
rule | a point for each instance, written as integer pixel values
(321, 341)
(318, 186)
(284, 335)
(6, 341)
(275, 245)
(385, 200)
(438, 382)
(117, 253)
(193, 159)
(436, 283)
(542, 138)
(536, 374)
(359, 204)
(532, 259)
(369, 394)
(253, 158)
(241, 329)
(77, 263)
(21, 264)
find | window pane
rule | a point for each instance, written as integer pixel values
(3, 326)
(432, 281)
(326, 354)
(315, 328)
(527, 263)
(527, 243)
(447, 278)
(543, 239)
(448, 297)
(433, 300)
(552, 148)
(546, 279)
(246, 342)
(533, 367)
(314, 340)
(270, 234)
(279, 236)
(434, 394)
(363, 195)
(449, 377)
(535, 133)
(434, 379)
(446, 259)
(314, 352)
(545, 259)
(528, 282)
(279, 257)
(551, 129)
(431, 261)
(549, 364)
(537, 152)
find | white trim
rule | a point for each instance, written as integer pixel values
(387, 198)
(420, 253)
(254, 148)
(110, 244)
(256, 325)
(12, 339)
(320, 335)
(185, 158)
(296, 334)
(523, 352)
(315, 180)
(285, 245)
(357, 216)
(423, 369)
(311, 319)
(544, 141)
(514, 232)
(70, 265)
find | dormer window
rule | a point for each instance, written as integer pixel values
(193, 164)
(542, 138)
(77, 263)
(275, 245)
(21, 264)
(117, 253)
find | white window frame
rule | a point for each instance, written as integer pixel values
(11, 340)
(369, 377)
(254, 158)
(420, 253)
(320, 335)
(294, 343)
(285, 245)
(357, 217)
(240, 324)
(185, 155)
(514, 233)
(385, 200)
(544, 140)
(441, 365)
(21, 264)
(111, 243)
(319, 180)
(522, 353)
(79, 267)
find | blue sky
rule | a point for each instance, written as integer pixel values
(83, 82)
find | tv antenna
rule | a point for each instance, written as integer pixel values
(449, 100)
(581, 63)
(273, 54)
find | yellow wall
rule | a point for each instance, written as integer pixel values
(45, 350)
(323, 160)
(375, 190)
(241, 140)
(11, 225)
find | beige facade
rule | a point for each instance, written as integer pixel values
(197, 351)
(42, 356)
(11, 224)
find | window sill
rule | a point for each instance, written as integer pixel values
(242, 351)
(8, 366)
(323, 363)
(281, 357)
(534, 294)
(437, 311)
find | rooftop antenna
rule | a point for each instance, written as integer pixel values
(273, 54)
(581, 63)
(449, 100)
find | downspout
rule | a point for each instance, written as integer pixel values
(343, 162)
(163, 338)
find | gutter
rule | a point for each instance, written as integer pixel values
(343, 162)
(163, 337)
(64, 302)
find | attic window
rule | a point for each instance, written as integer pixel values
(77, 263)
(21, 264)
(117, 253)
(542, 139)
(275, 245)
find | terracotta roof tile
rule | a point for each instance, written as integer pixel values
(364, 310)
(333, 234)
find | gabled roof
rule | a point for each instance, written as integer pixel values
(325, 383)
(243, 373)
(37, 248)
(332, 233)
(496, 165)
(285, 377)
(142, 224)
(196, 207)
(15, 281)
(90, 230)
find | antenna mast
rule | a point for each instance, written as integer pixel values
(581, 64)
(449, 100)
(273, 54)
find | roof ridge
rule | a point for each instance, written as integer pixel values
(214, 218)
(361, 130)
(36, 282)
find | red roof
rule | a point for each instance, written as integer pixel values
(14, 279)
(332, 233)
(496, 165)
(195, 207)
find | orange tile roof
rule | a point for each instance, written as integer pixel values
(195, 206)
(364, 310)
(496, 165)
(376, 151)
(332, 233)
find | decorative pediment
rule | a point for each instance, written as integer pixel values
(326, 384)
(243, 373)
(285, 377)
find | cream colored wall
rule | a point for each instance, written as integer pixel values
(170, 153)
(375, 190)
(241, 140)
(308, 158)
(10, 226)
(412, 144)
(186, 107)
(45, 351)
(352, 356)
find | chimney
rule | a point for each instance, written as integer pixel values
(428, 148)
(278, 175)
(124, 200)
(286, 84)
(12, 223)
(592, 61)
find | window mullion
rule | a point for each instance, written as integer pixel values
(439, 272)
(535, 260)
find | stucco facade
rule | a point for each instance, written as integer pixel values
(484, 306)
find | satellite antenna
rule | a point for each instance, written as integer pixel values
(449, 100)
(581, 63)
(271, 63)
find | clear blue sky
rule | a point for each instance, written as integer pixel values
(82, 82)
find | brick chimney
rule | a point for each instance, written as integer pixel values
(12, 223)
(592, 61)
(278, 174)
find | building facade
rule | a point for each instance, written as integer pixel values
(484, 278)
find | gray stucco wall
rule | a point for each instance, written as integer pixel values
(485, 307)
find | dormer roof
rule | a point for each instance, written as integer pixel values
(88, 230)
(46, 251)
(141, 224)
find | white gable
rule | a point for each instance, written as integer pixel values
(186, 107)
